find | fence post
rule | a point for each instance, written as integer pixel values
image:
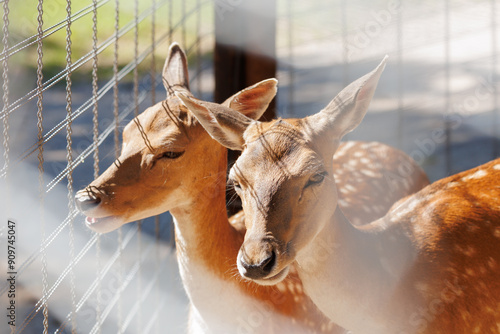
(245, 53)
(245, 46)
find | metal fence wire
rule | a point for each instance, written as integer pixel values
(438, 97)
(75, 72)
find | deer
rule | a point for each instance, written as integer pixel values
(168, 162)
(431, 264)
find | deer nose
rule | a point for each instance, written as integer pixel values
(252, 270)
(87, 200)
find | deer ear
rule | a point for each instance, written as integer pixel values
(346, 111)
(222, 123)
(254, 100)
(175, 70)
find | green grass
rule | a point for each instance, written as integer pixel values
(23, 24)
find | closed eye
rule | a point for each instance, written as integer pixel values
(171, 155)
(235, 184)
(316, 179)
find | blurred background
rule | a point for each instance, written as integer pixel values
(74, 73)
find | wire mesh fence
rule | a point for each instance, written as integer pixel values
(74, 73)
(438, 97)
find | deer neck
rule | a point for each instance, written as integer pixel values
(350, 271)
(203, 233)
(207, 248)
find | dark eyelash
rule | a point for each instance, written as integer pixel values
(319, 178)
(171, 155)
(234, 183)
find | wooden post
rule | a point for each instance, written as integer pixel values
(245, 53)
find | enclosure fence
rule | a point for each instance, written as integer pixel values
(441, 77)
(74, 73)
(112, 46)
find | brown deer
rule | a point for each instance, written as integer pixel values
(430, 265)
(168, 162)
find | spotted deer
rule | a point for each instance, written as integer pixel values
(430, 265)
(169, 163)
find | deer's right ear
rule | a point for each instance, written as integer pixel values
(346, 111)
(175, 70)
(222, 123)
(254, 100)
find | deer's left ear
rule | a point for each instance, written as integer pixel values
(175, 70)
(222, 123)
(346, 111)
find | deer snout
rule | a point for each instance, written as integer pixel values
(87, 200)
(256, 260)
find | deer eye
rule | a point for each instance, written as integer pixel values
(316, 179)
(236, 184)
(171, 155)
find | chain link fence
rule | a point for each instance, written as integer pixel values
(74, 73)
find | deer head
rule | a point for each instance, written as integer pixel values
(285, 166)
(150, 175)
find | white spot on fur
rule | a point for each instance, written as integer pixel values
(343, 149)
(406, 207)
(492, 263)
(350, 188)
(470, 272)
(477, 175)
(496, 233)
(358, 154)
(343, 203)
(496, 167)
(482, 270)
(469, 251)
(368, 173)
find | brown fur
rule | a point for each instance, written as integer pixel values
(443, 243)
(431, 265)
(143, 183)
(456, 228)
